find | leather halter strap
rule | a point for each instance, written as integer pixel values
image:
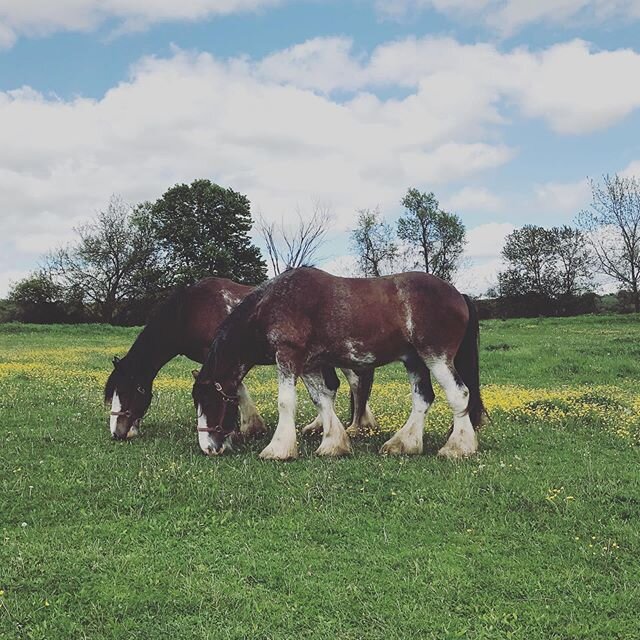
(225, 398)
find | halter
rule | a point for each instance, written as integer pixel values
(127, 414)
(226, 398)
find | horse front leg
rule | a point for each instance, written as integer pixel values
(283, 445)
(251, 423)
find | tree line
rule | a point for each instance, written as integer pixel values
(124, 261)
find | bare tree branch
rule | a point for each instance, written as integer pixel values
(292, 246)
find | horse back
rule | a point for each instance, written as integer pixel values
(206, 304)
(367, 321)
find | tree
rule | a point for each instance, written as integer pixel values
(573, 261)
(612, 227)
(531, 267)
(373, 243)
(551, 263)
(113, 261)
(437, 237)
(203, 230)
(38, 299)
(290, 247)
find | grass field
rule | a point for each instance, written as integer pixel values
(537, 537)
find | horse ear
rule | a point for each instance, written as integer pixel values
(116, 362)
(195, 373)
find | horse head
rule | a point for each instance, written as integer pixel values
(216, 403)
(130, 397)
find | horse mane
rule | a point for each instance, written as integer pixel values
(164, 322)
(229, 337)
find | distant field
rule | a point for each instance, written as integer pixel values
(535, 538)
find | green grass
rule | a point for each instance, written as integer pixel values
(534, 538)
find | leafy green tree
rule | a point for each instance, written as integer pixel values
(37, 298)
(551, 263)
(203, 230)
(436, 238)
(373, 243)
(37, 288)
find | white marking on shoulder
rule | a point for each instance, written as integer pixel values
(116, 406)
(356, 353)
(230, 300)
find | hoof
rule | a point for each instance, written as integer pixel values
(455, 453)
(333, 449)
(462, 446)
(272, 452)
(313, 427)
(362, 430)
(398, 447)
(254, 428)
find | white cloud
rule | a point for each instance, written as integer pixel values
(481, 261)
(473, 199)
(475, 279)
(509, 16)
(487, 240)
(631, 170)
(38, 18)
(194, 116)
(463, 86)
(281, 136)
(9, 277)
(568, 197)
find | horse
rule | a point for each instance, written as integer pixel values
(185, 324)
(305, 321)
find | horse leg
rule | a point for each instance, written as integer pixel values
(463, 440)
(363, 421)
(408, 440)
(283, 445)
(335, 441)
(251, 422)
(332, 381)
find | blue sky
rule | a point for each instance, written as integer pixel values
(503, 108)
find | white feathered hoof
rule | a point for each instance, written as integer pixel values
(460, 447)
(335, 446)
(279, 451)
(402, 447)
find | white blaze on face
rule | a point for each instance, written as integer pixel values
(115, 408)
(204, 438)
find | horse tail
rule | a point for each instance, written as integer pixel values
(467, 364)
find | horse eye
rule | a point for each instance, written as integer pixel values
(140, 390)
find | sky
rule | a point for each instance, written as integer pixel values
(503, 108)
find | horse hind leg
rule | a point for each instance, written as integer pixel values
(335, 441)
(363, 421)
(409, 439)
(252, 424)
(462, 440)
(331, 380)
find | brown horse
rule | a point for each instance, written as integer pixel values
(186, 324)
(306, 320)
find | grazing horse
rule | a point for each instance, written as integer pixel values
(306, 320)
(186, 324)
